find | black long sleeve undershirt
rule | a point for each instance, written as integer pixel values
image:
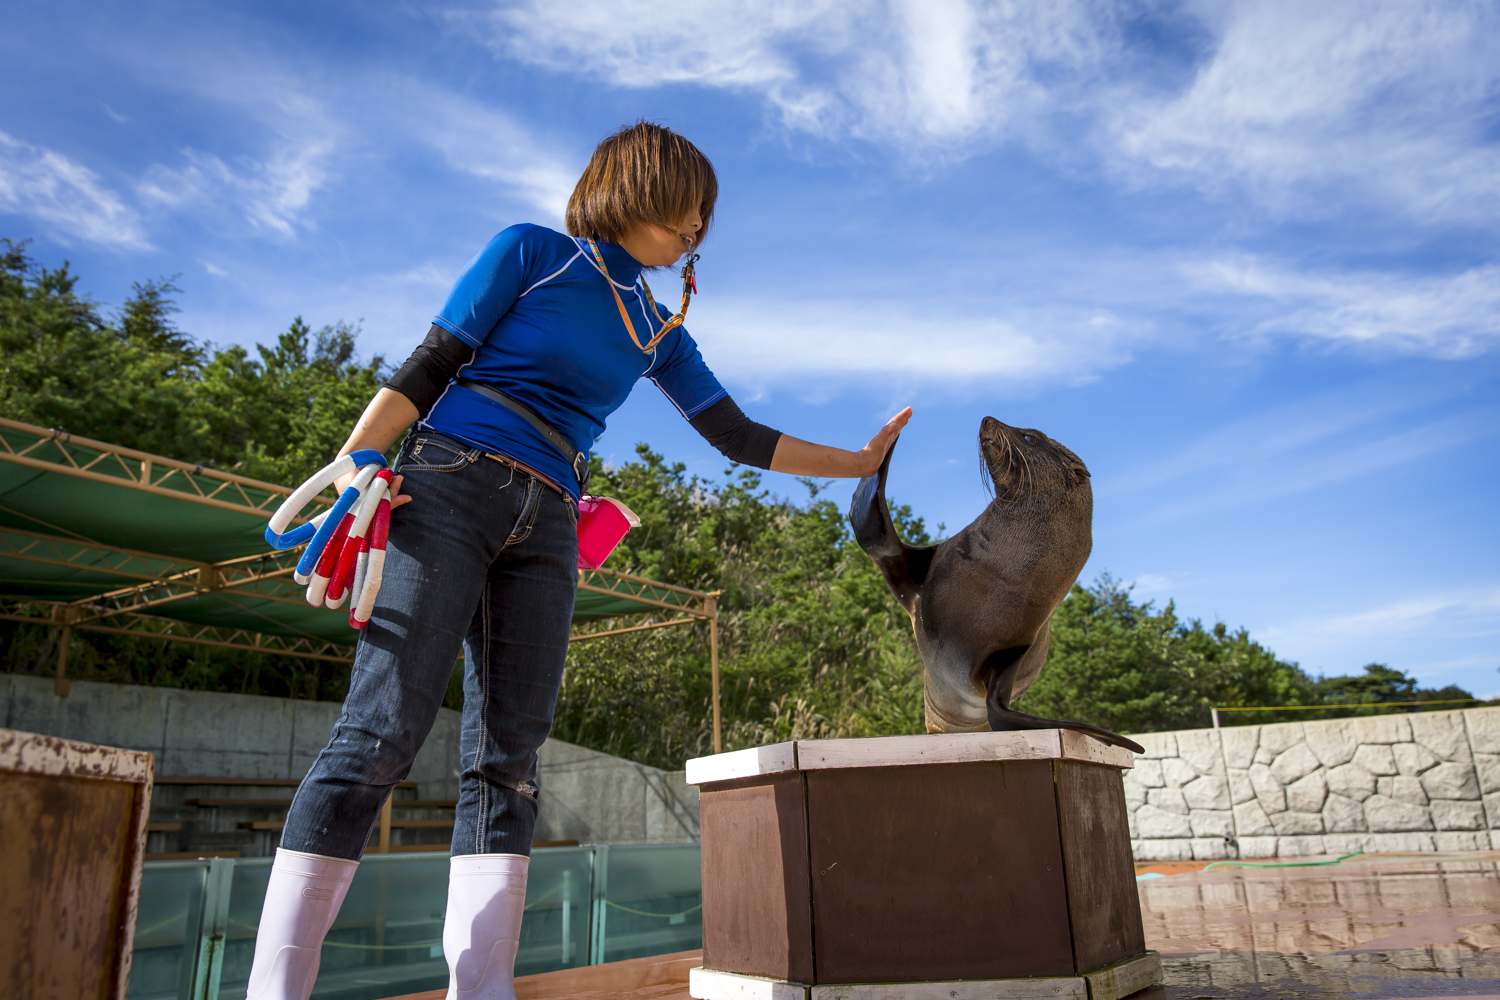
(426, 374)
(740, 439)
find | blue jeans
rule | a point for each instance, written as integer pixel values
(483, 558)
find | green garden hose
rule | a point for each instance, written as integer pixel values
(1281, 864)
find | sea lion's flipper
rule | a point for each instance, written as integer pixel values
(998, 678)
(905, 566)
(1005, 719)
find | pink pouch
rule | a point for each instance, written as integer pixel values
(602, 524)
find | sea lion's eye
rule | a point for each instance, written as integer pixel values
(1029, 438)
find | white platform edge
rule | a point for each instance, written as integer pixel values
(705, 984)
(1113, 982)
(898, 751)
(1046, 988)
(774, 759)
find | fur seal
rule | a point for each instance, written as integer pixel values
(981, 602)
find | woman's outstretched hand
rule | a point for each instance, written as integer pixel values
(872, 454)
(803, 458)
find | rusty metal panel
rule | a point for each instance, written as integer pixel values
(1103, 902)
(73, 822)
(937, 872)
(757, 917)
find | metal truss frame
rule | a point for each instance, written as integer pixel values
(54, 451)
(170, 629)
(151, 581)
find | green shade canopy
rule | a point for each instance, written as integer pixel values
(109, 535)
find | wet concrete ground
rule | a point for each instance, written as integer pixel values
(1370, 927)
(1374, 927)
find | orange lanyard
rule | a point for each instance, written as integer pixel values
(689, 288)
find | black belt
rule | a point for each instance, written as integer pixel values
(575, 458)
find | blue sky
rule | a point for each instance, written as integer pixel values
(1242, 257)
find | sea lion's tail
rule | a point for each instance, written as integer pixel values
(1004, 719)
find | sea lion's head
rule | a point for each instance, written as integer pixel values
(1026, 466)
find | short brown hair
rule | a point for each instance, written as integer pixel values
(642, 173)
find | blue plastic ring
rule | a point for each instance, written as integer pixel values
(314, 550)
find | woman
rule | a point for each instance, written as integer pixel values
(482, 553)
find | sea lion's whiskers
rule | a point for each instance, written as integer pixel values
(1028, 476)
(986, 477)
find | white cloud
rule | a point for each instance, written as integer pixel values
(1308, 445)
(1389, 99)
(943, 69)
(476, 139)
(1146, 584)
(295, 137)
(801, 342)
(1269, 438)
(50, 187)
(1443, 316)
(1472, 612)
(305, 134)
(1429, 634)
(272, 195)
(1391, 96)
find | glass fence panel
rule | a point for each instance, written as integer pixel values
(555, 933)
(652, 903)
(387, 940)
(247, 892)
(166, 930)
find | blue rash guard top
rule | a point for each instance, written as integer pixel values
(546, 331)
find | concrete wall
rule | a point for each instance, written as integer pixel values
(587, 796)
(1426, 781)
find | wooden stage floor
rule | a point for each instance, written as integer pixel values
(1374, 927)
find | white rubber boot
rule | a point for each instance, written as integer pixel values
(302, 899)
(482, 931)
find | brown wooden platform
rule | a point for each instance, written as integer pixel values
(916, 859)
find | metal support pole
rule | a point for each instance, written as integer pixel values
(213, 931)
(1215, 713)
(385, 825)
(599, 899)
(711, 607)
(567, 907)
(61, 686)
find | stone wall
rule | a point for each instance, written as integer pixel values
(1427, 781)
(587, 796)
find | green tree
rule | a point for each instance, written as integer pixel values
(812, 642)
(136, 380)
(285, 415)
(140, 382)
(1378, 683)
(1382, 683)
(1129, 667)
(63, 365)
